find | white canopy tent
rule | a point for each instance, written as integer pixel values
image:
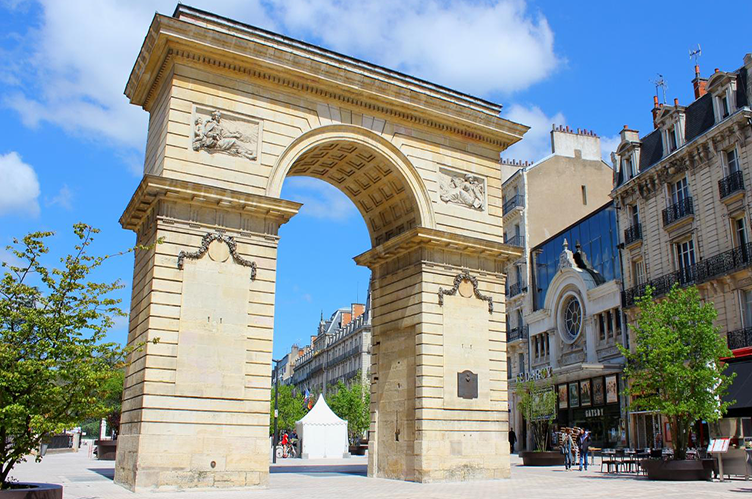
(322, 434)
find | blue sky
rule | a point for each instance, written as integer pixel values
(71, 147)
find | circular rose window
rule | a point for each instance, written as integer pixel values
(572, 318)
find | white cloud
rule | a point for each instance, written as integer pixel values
(320, 200)
(63, 199)
(609, 145)
(71, 68)
(475, 47)
(20, 187)
(536, 143)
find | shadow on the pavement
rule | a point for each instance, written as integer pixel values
(748, 491)
(105, 472)
(323, 470)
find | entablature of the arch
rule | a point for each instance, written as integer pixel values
(441, 240)
(312, 73)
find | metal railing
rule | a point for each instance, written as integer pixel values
(516, 288)
(731, 184)
(741, 338)
(633, 233)
(702, 271)
(512, 203)
(677, 211)
(517, 333)
(516, 241)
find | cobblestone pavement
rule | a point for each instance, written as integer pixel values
(84, 478)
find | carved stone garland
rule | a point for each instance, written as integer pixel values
(229, 241)
(457, 281)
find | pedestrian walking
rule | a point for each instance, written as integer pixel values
(566, 447)
(512, 440)
(584, 446)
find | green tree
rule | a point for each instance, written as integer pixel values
(54, 363)
(537, 402)
(291, 409)
(353, 404)
(112, 395)
(675, 367)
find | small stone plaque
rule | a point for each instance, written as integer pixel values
(467, 385)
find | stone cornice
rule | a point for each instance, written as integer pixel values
(437, 239)
(153, 188)
(267, 58)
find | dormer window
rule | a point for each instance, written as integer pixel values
(724, 106)
(673, 143)
(628, 166)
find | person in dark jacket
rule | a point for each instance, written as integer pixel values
(566, 447)
(584, 445)
(512, 440)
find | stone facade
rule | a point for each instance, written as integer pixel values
(339, 352)
(539, 200)
(196, 404)
(684, 211)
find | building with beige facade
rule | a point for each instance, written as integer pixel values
(340, 351)
(540, 200)
(680, 190)
(233, 111)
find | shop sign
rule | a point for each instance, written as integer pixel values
(536, 374)
(594, 413)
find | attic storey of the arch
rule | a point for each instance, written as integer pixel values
(234, 110)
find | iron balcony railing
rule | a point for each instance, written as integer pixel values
(704, 270)
(633, 233)
(731, 184)
(516, 288)
(516, 241)
(512, 203)
(677, 211)
(741, 338)
(517, 333)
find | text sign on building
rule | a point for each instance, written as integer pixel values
(536, 374)
(594, 413)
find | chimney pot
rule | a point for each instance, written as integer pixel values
(676, 102)
(655, 101)
(625, 127)
(716, 70)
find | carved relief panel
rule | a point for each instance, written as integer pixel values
(462, 189)
(221, 132)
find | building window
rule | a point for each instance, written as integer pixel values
(725, 111)
(685, 259)
(673, 143)
(740, 231)
(679, 191)
(584, 195)
(638, 272)
(634, 213)
(609, 324)
(601, 328)
(732, 161)
(521, 362)
(617, 320)
(573, 317)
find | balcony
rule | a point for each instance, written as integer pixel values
(516, 201)
(517, 334)
(516, 241)
(516, 288)
(677, 211)
(741, 338)
(703, 271)
(632, 234)
(731, 184)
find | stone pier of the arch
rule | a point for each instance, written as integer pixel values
(234, 111)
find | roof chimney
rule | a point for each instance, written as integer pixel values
(656, 110)
(676, 102)
(699, 84)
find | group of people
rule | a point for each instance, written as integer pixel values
(288, 441)
(575, 445)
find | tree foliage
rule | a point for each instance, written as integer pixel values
(291, 409)
(353, 404)
(537, 402)
(54, 366)
(675, 367)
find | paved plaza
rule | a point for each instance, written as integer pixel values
(85, 478)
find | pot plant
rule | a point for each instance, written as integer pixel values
(537, 402)
(675, 368)
(54, 363)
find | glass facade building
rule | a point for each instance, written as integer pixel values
(597, 236)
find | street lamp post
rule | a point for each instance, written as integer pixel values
(276, 409)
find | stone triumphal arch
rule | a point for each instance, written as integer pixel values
(234, 110)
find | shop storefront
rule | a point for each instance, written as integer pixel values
(592, 404)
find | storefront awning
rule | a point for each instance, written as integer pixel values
(741, 388)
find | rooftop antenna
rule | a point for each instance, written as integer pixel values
(660, 82)
(695, 54)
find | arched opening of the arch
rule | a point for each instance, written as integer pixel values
(370, 180)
